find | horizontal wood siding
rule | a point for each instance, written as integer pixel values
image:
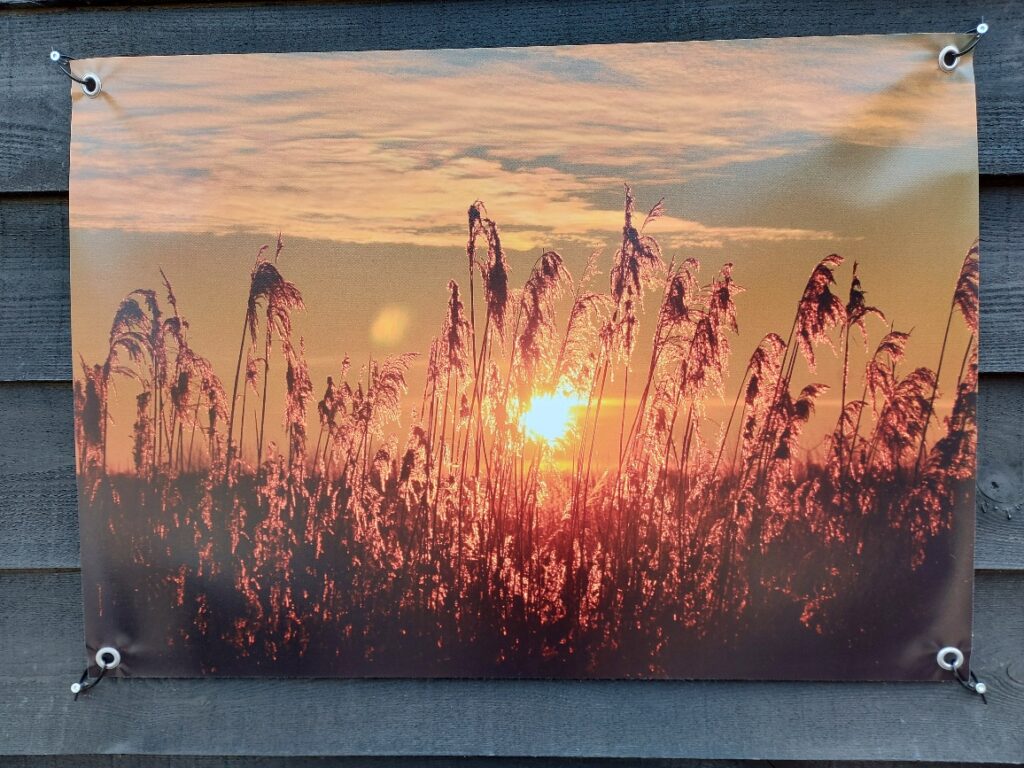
(732, 720)
(502, 724)
(34, 153)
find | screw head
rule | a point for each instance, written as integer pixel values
(980, 688)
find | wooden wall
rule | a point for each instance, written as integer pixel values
(390, 723)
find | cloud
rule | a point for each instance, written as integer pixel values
(392, 147)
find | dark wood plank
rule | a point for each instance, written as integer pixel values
(39, 519)
(185, 761)
(35, 317)
(217, 723)
(35, 120)
(1002, 289)
(38, 503)
(1000, 523)
(180, 761)
(42, 632)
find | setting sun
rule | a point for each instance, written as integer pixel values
(549, 417)
(539, 387)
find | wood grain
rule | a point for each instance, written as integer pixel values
(35, 118)
(42, 632)
(38, 503)
(35, 315)
(430, 724)
(1000, 537)
(39, 521)
(1002, 276)
(192, 761)
(35, 330)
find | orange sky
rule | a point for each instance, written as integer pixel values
(769, 154)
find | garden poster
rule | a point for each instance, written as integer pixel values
(644, 360)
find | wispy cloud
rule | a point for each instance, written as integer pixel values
(377, 147)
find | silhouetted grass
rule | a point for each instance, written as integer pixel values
(461, 548)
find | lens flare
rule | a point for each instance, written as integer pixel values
(549, 417)
(390, 326)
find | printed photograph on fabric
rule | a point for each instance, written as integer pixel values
(611, 361)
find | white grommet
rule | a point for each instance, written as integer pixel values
(108, 658)
(949, 57)
(943, 659)
(91, 84)
(980, 689)
(54, 55)
(982, 28)
(76, 688)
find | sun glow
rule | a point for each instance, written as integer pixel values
(390, 326)
(549, 417)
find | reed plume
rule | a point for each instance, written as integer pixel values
(965, 299)
(512, 515)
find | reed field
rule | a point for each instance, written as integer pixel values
(555, 501)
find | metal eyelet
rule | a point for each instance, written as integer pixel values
(91, 84)
(949, 57)
(950, 658)
(108, 658)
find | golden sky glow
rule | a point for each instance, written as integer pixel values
(769, 154)
(383, 147)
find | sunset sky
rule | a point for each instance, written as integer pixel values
(770, 154)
